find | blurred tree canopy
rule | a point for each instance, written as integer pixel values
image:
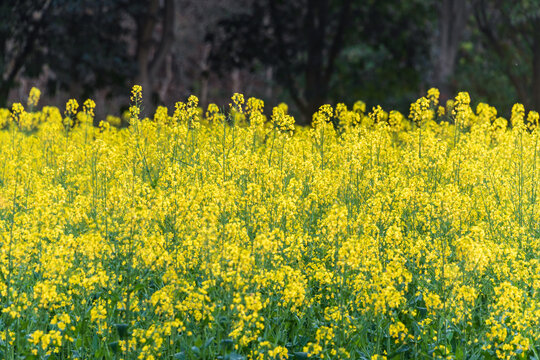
(509, 33)
(307, 52)
(84, 43)
(79, 41)
(324, 49)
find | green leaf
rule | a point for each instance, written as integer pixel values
(227, 343)
(122, 330)
(398, 351)
(115, 347)
(209, 342)
(235, 356)
(180, 356)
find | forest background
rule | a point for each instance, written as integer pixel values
(302, 52)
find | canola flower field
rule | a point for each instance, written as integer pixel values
(231, 234)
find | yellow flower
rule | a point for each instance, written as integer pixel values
(238, 101)
(33, 97)
(35, 337)
(433, 96)
(136, 95)
(282, 122)
(88, 107)
(279, 352)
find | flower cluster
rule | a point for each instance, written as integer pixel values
(237, 234)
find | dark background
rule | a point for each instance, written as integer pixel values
(303, 52)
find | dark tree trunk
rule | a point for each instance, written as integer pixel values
(148, 65)
(4, 93)
(290, 82)
(322, 51)
(14, 65)
(205, 73)
(316, 22)
(452, 17)
(145, 29)
(535, 101)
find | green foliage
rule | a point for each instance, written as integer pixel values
(81, 41)
(382, 59)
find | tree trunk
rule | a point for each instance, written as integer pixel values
(4, 93)
(322, 51)
(290, 82)
(13, 66)
(269, 76)
(535, 101)
(150, 58)
(205, 73)
(167, 79)
(315, 89)
(145, 30)
(452, 17)
(235, 78)
(166, 39)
